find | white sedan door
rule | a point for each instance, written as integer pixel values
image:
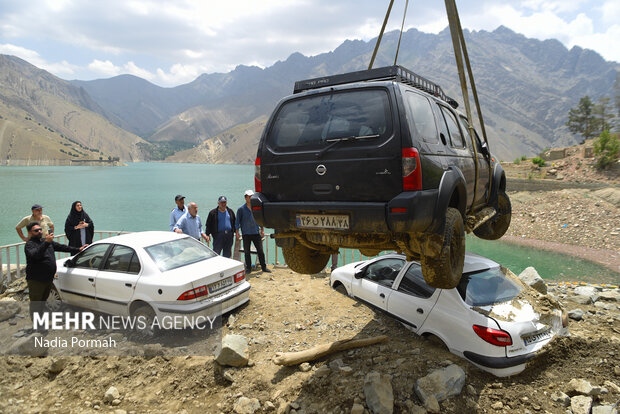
(376, 282)
(116, 282)
(412, 300)
(77, 282)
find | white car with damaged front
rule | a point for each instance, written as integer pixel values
(151, 274)
(491, 319)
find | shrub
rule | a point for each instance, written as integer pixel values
(538, 161)
(606, 148)
(517, 161)
(523, 158)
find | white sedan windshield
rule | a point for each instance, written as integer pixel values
(487, 287)
(176, 253)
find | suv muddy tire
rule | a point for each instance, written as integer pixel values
(302, 259)
(495, 227)
(445, 270)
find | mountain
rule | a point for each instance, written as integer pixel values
(46, 120)
(526, 88)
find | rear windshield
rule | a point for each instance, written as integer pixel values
(176, 253)
(312, 121)
(487, 287)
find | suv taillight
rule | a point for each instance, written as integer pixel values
(493, 336)
(258, 187)
(412, 172)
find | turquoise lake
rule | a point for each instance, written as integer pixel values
(139, 197)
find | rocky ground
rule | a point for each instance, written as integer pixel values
(289, 312)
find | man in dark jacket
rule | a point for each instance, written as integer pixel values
(41, 264)
(221, 224)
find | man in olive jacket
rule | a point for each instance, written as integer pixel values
(41, 264)
(221, 224)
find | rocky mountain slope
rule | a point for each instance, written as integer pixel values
(526, 87)
(46, 120)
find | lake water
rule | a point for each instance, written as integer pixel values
(140, 196)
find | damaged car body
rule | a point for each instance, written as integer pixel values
(491, 318)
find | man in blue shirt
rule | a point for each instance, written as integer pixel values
(190, 224)
(252, 233)
(178, 211)
(221, 225)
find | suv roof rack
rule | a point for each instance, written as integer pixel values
(396, 73)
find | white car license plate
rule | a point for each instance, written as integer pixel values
(219, 285)
(537, 337)
(322, 221)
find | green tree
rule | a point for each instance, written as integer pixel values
(604, 114)
(617, 99)
(581, 120)
(606, 148)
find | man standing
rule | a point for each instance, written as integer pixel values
(41, 264)
(178, 211)
(221, 224)
(37, 215)
(190, 223)
(252, 233)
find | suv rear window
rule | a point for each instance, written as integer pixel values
(312, 121)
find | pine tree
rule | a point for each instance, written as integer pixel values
(581, 120)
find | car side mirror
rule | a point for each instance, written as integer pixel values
(69, 263)
(359, 273)
(484, 148)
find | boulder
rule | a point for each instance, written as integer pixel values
(610, 295)
(111, 394)
(580, 404)
(245, 405)
(576, 314)
(378, 393)
(29, 346)
(234, 351)
(605, 409)
(578, 386)
(441, 384)
(531, 278)
(561, 398)
(8, 309)
(587, 292)
(57, 365)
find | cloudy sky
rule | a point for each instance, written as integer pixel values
(172, 42)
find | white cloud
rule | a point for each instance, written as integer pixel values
(105, 68)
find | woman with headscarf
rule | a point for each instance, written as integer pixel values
(79, 228)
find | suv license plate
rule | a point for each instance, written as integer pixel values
(214, 287)
(537, 337)
(322, 221)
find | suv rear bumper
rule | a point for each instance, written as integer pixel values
(409, 212)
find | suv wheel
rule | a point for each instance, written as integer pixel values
(495, 227)
(302, 259)
(445, 270)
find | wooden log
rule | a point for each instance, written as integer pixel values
(316, 352)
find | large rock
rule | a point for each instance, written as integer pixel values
(576, 314)
(234, 351)
(8, 309)
(581, 404)
(245, 405)
(378, 393)
(589, 292)
(531, 277)
(29, 346)
(611, 295)
(111, 394)
(582, 387)
(441, 384)
(605, 409)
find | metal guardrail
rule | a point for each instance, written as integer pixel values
(11, 266)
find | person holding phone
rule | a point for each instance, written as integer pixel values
(79, 228)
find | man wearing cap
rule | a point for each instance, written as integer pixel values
(37, 215)
(178, 211)
(190, 223)
(221, 224)
(252, 233)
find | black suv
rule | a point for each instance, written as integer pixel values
(376, 160)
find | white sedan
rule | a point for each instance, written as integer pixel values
(491, 319)
(150, 274)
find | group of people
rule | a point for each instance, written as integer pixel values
(79, 228)
(222, 225)
(40, 247)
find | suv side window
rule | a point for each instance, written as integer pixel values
(413, 283)
(122, 259)
(384, 272)
(456, 138)
(92, 257)
(422, 114)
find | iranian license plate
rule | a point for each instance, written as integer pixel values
(537, 337)
(322, 221)
(219, 285)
